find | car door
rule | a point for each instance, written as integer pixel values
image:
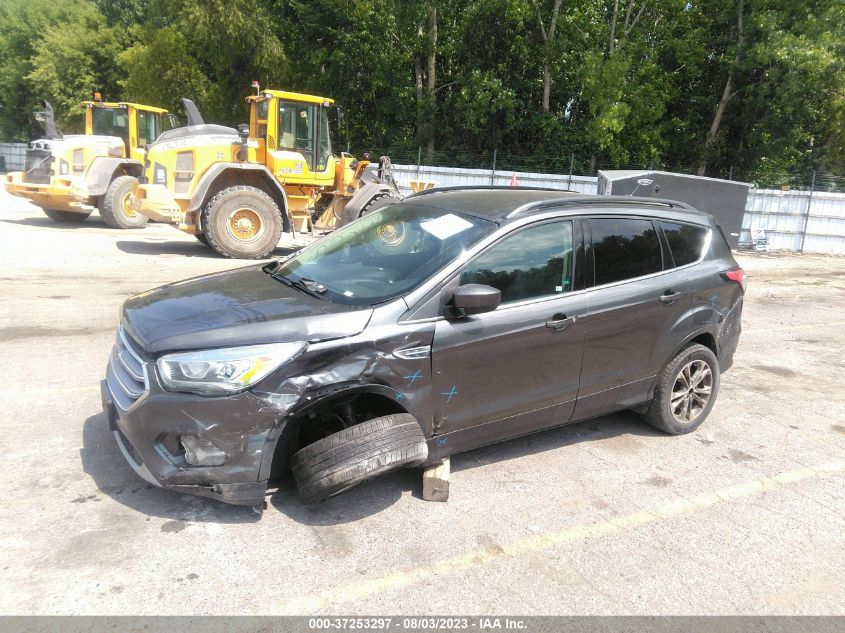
(633, 309)
(515, 369)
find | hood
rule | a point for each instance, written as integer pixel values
(239, 307)
(195, 131)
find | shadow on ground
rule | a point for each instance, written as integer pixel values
(376, 495)
(93, 222)
(102, 460)
(188, 249)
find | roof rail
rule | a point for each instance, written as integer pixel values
(604, 201)
(426, 192)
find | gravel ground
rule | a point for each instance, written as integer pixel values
(744, 516)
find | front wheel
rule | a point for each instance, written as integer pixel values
(65, 216)
(242, 222)
(346, 458)
(686, 391)
(115, 207)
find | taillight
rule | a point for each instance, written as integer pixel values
(737, 276)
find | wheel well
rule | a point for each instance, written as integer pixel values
(128, 170)
(250, 178)
(706, 339)
(328, 416)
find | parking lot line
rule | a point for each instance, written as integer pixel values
(359, 589)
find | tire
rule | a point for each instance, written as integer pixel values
(65, 216)
(201, 238)
(674, 382)
(344, 459)
(377, 202)
(233, 213)
(114, 205)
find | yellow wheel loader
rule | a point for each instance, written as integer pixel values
(68, 176)
(237, 190)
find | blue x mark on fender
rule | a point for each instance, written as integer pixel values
(451, 394)
(413, 377)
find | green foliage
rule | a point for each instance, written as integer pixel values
(640, 90)
(160, 69)
(59, 51)
(73, 60)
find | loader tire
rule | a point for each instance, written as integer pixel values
(377, 202)
(201, 238)
(114, 205)
(65, 216)
(242, 222)
(344, 459)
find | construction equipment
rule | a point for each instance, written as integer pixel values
(68, 176)
(237, 190)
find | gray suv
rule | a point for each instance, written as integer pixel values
(450, 320)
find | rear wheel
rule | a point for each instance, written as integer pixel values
(201, 238)
(115, 207)
(65, 216)
(242, 222)
(686, 391)
(346, 458)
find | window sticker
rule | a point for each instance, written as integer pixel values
(445, 226)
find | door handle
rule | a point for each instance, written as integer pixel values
(560, 322)
(670, 296)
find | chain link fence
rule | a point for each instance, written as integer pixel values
(579, 165)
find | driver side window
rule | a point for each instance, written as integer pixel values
(296, 129)
(531, 263)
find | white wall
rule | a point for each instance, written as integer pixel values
(781, 214)
(14, 154)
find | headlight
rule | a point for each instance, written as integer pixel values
(184, 172)
(222, 371)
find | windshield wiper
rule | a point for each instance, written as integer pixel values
(303, 284)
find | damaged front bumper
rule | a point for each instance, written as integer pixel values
(152, 426)
(61, 193)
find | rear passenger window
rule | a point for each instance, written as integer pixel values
(624, 248)
(686, 241)
(534, 262)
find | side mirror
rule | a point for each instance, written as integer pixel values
(475, 299)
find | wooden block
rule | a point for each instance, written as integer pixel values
(436, 482)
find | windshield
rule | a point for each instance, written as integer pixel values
(385, 254)
(111, 122)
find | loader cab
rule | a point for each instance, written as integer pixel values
(291, 134)
(137, 125)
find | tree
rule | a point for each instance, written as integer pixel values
(59, 51)
(548, 35)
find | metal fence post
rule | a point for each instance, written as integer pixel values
(419, 160)
(493, 171)
(807, 215)
(571, 167)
